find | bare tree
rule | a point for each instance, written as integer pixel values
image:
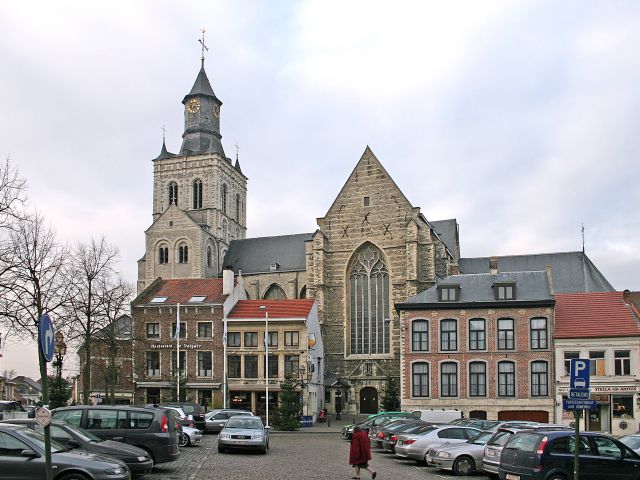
(90, 275)
(32, 283)
(12, 195)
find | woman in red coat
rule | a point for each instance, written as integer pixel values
(360, 452)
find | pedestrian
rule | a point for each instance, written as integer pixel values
(360, 452)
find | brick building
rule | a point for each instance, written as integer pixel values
(481, 344)
(202, 305)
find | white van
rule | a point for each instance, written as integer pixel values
(438, 416)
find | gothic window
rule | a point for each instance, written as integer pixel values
(274, 292)
(238, 207)
(163, 255)
(183, 254)
(303, 292)
(173, 193)
(224, 198)
(209, 257)
(369, 303)
(197, 194)
(224, 231)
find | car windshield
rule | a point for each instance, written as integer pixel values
(241, 421)
(83, 434)
(38, 438)
(631, 441)
(500, 438)
(481, 438)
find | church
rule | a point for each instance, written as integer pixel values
(371, 250)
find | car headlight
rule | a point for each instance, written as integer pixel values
(115, 471)
(443, 454)
(143, 459)
(350, 429)
(258, 437)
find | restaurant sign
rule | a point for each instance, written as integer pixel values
(607, 389)
(184, 346)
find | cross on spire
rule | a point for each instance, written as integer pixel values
(164, 132)
(237, 150)
(204, 47)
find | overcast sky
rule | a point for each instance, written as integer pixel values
(519, 119)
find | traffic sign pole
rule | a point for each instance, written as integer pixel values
(576, 458)
(45, 354)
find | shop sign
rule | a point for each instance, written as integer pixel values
(184, 346)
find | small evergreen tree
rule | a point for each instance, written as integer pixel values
(391, 394)
(288, 415)
(59, 392)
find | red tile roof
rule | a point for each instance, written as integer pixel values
(250, 309)
(596, 314)
(181, 290)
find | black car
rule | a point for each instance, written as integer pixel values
(151, 429)
(10, 407)
(549, 455)
(22, 455)
(72, 437)
(190, 408)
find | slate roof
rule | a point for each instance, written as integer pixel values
(255, 255)
(594, 315)
(201, 87)
(278, 309)
(447, 230)
(164, 153)
(572, 272)
(181, 290)
(122, 327)
(477, 288)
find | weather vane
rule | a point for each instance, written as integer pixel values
(204, 47)
(582, 237)
(164, 132)
(237, 150)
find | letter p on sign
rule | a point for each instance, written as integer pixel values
(579, 377)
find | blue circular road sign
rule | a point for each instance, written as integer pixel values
(47, 337)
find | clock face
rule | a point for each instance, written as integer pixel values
(194, 105)
(216, 110)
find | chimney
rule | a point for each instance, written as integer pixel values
(493, 265)
(626, 297)
(454, 269)
(550, 280)
(227, 281)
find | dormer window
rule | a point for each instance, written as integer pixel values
(449, 293)
(274, 266)
(504, 291)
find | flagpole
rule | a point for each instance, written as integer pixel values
(178, 353)
(224, 361)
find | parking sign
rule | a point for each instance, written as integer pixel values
(579, 375)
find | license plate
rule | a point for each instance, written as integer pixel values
(512, 477)
(242, 443)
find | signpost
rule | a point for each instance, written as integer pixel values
(46, 343)
(47, 337)
(43, 416)
(578, 400)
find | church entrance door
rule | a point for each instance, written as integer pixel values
(368, 400)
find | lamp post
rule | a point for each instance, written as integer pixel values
(266, 362)
(59, 350)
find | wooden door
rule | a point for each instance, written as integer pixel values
(368, 400)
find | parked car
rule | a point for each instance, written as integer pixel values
(22, 455)
(441, 435)
(374, 420)
(244, 432)
(375, 436)
(190, 408)
(632, 441)
(549, 455)
(152, 429)
(190, 435)
(390, 439)
(9, 409)
(462, 458)
(493, 448)
(72, 437)
(215, 419)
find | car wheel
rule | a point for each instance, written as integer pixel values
(73, 476)
(184, 440)
(464, 466)
(221, 449)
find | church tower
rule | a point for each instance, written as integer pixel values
(199, 197)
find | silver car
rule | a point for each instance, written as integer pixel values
(190, 435)
(244, 432)
(462, 458)
(441, 435)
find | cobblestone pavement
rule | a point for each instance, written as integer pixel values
(300, 455)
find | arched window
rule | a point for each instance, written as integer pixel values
(539, 379)
(224, 231)
(420, 379)
(274, 292)
(303, 292)
(420, 335)
(477, 379)
(183, 254)
(209, 257)
(224, 198)
(369, 302)
(163, 255)
(197, 194)
(238, 207)
(448, 379)
(173, 193)
(506, 379)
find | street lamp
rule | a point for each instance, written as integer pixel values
(60, 350)
(266, 361)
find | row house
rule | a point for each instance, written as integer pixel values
(480, 343)
(602, 327)
(200, 306)
(268, 340)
